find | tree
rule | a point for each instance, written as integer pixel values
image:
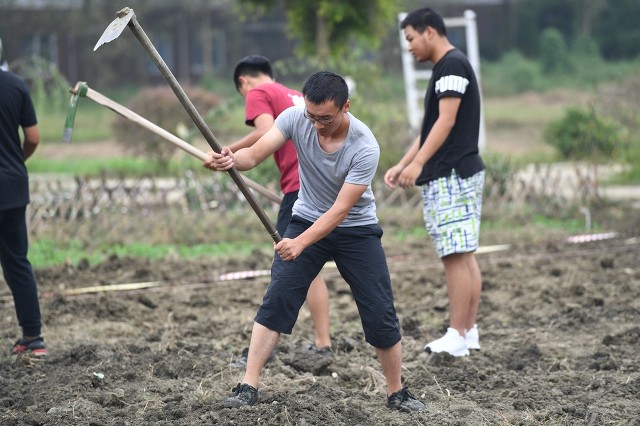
(617, 31)
(324, 28)
(554, 55)
(534, 16)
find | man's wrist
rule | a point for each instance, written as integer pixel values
(418, 163)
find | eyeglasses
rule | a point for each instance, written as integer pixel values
(323, 121)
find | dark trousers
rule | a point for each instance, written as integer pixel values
(17, 269)
(285, 211)
(359, 256)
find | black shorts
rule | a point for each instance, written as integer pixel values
(284, 213)
(360, 258)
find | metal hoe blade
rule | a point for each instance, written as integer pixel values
(116, 27)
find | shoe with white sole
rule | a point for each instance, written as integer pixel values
(452, 343)
(472, 337)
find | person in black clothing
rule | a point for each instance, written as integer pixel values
(445, 161)
(16, 111)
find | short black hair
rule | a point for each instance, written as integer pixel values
(252, 65)
(326, 86)
(420, 19)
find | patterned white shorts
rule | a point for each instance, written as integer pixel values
(452, 207)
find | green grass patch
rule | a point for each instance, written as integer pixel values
(511, 112)
(403, 235)
(116, 166)
(45, 253)
(631, 176)
(572, 226)
(92, 167)
(545, 224)
(514, 74)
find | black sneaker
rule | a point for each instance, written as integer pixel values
(34, 347)
(242, 361)
(243, 394)
(404, 401)
(323, 351)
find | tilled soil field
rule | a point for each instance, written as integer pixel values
(559, 323)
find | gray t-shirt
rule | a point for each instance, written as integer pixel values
(323, 174)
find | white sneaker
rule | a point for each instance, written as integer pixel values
(452, 343)
(472, 337)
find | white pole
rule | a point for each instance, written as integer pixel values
(473, 53)
(412, 94)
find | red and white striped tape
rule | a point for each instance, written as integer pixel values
(585, 238)
(241, 275)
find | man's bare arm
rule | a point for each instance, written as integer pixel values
(247, 158)
(31, 140)
(447, 113)
(289, 249)
(262, 124)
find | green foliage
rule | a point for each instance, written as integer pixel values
(160, 106)
(512, 74)
(613, 26)
(499, 173)
(584, 134)
(617, 31)
(46, 252)
(49, 89)
(324, 28)
(554, 56)
(632, 173)
(533, 226)
(353, 63)
(585, 46)
(621, 102)
(227, 118)
(224, 87)
(363, 19)
(534, 16)
(567, 224)
(95, 167)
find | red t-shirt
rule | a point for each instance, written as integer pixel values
(273, 98)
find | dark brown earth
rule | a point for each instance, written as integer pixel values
(560, 333)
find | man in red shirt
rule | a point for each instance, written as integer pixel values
(264, 101)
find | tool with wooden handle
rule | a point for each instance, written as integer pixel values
(81, 89)
(126, 18)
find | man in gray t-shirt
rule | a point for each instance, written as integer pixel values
(323, 174)
(334, 217)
